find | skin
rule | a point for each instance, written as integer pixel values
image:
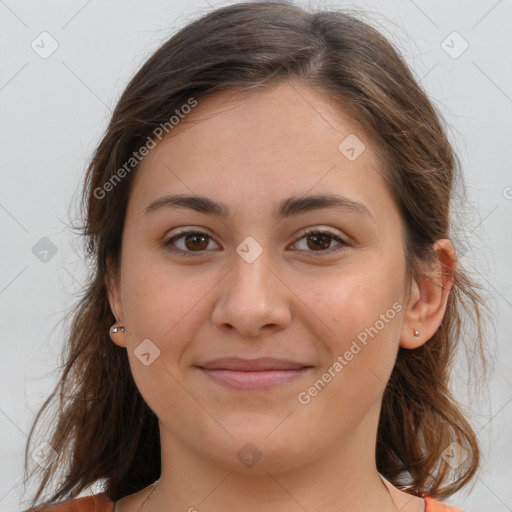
(250, 151)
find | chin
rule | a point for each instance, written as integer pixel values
(254, 451)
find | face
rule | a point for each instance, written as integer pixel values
(314, 283)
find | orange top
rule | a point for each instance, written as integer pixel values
(100, 503)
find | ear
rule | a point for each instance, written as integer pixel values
(429, 297)
(114, 299)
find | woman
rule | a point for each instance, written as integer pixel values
(275, 299)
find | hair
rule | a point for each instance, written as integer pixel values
(103, 428)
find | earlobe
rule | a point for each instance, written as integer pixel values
(116, 333)
(411, 336)
(429, 298)
(117, 330)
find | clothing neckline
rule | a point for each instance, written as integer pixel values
(424, 498)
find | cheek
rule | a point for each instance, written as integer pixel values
(361, 308)
(154, 299)
(353, 299)
(165, 304)
(363, 311)
(158, 319)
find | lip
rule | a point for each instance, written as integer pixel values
(253, 374)
(252, 365)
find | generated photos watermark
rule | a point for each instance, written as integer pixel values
(158, 133)
(305, 397)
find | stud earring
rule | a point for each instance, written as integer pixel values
(117, 328)
(415, 332)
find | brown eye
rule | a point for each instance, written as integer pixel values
(320, 241)
(189, 242)
(194, 242)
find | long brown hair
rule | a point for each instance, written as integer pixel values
(103, 429)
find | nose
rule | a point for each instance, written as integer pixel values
(252, 299)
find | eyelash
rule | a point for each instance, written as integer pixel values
(309, 232)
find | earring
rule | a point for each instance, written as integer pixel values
(415, 332)
(117, 328)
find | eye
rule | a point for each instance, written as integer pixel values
(320, 241)
(193, 242)
(197, 242)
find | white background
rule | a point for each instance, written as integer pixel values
(54, 110)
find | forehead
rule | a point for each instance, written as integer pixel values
(261, 145)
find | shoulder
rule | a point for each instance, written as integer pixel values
(94, 503)
(433, 505)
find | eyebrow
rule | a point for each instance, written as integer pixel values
(286, 208)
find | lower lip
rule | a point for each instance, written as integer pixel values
(261, 380)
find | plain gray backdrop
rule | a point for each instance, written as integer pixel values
(63, 66)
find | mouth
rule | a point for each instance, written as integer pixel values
(254, 374)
